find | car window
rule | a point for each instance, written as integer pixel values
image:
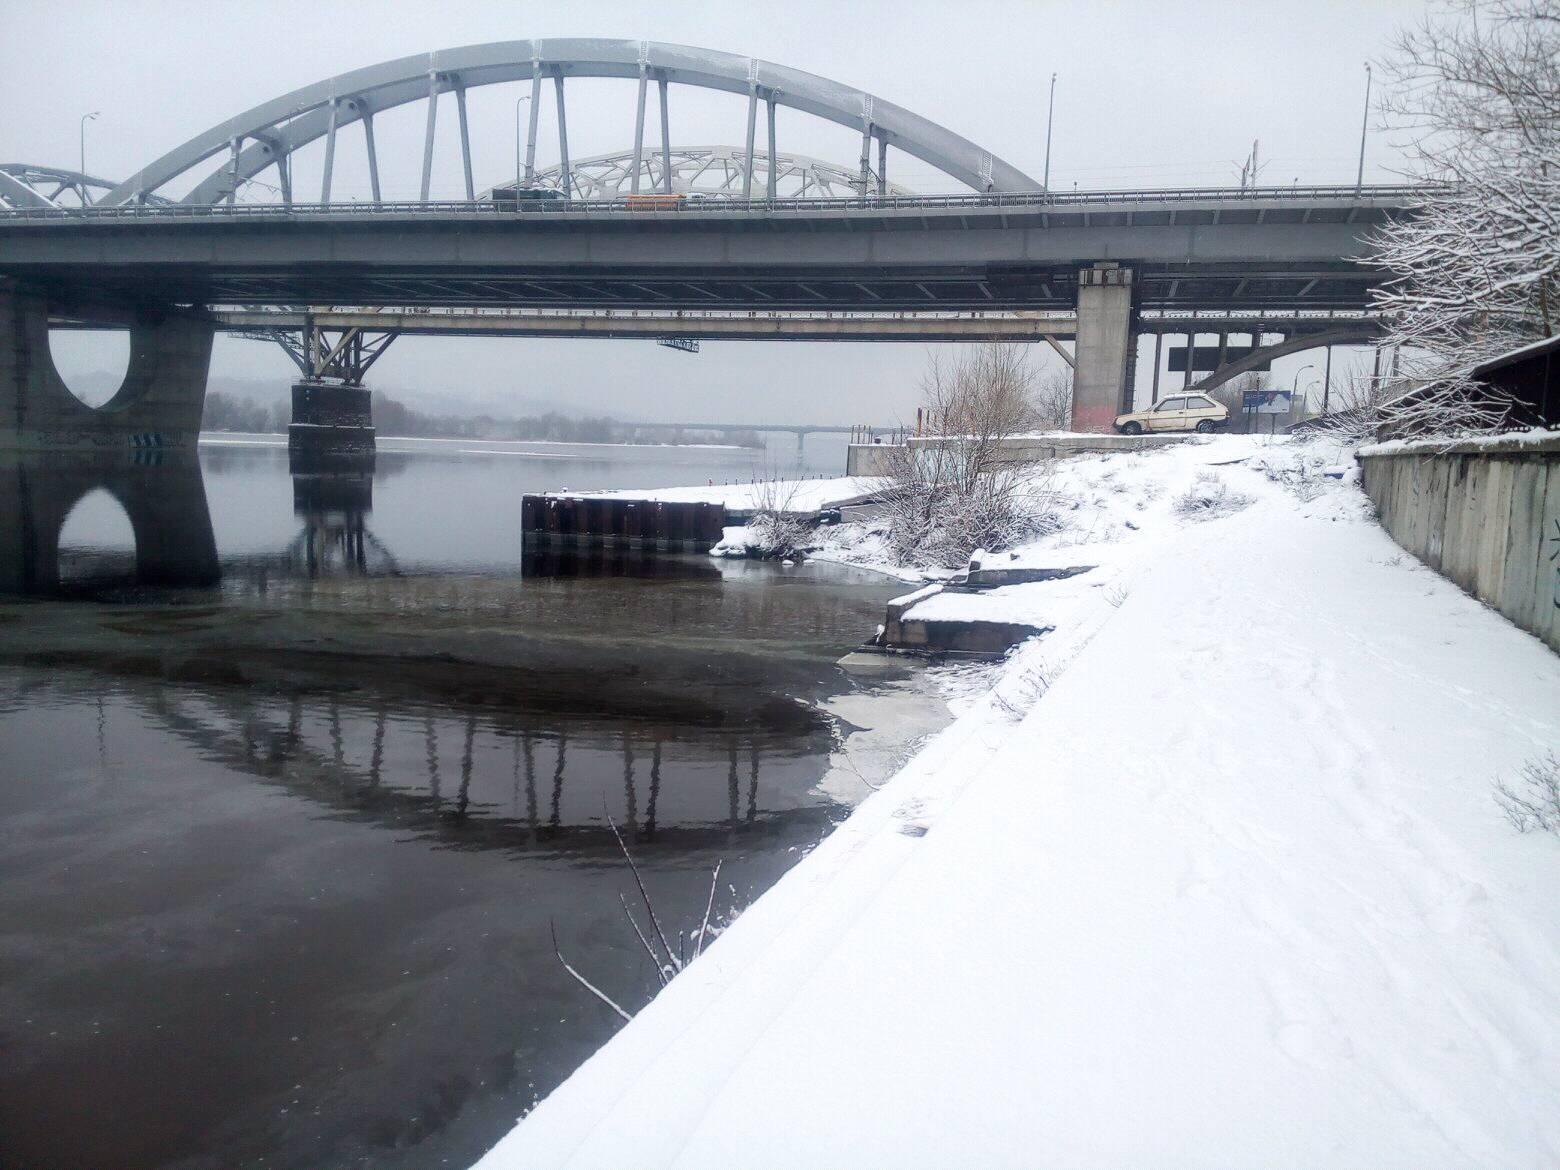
(1172, 404)
(1199, 404)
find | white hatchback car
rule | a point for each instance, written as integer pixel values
(1179, 412)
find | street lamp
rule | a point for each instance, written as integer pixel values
(1309, 386)
(1359, 179)
(518, 102)
(85, 118)
(1049, 110)
(1295, 388)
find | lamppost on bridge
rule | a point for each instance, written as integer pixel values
(1359, 179)
(518, 103)
(1049, 111)
(85, 118)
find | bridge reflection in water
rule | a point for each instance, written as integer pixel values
(527, 781)
(162, 494)
(397, 771)
(328, 796)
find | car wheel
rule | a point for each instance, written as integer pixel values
(1132, 428)
(1205, 427)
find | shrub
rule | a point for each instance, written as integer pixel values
(1208, 498)
(1535, 802)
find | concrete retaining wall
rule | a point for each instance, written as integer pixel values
(1485, 515)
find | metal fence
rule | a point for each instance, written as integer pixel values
(1399, 195)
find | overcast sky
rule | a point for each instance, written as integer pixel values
(1149, 94)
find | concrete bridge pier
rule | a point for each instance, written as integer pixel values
(1106, 347)
(158, 405)
(330, 417)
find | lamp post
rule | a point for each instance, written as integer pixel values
(1309, 386)
(85, 118)
(1295, 387)
(1049, 111)
(518, 103)
(1359, 179)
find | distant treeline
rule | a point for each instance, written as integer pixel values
(229, 412)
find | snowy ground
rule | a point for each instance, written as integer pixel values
(797, 495)
(1212, 876)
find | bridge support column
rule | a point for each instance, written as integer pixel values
(327, 417)
(157, 406)
(1105, 347)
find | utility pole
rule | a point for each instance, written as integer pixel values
(1359, 179)
(1049, 112)
(85, 118)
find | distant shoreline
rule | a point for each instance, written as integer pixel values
(273, 439)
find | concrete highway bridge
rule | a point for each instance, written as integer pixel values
(181, 248)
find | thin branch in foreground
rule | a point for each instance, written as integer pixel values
(580, 979)
(660, 968)
(639, 881)
(704, 930)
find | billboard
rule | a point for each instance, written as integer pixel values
(1267, 401)
(1205, 358)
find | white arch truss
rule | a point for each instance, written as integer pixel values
(269, 134)
(29, 185)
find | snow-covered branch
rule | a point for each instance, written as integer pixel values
(1476, 264)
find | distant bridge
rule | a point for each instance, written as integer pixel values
(773, 233)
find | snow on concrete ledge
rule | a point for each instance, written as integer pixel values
(798, 495)
(1506, 442)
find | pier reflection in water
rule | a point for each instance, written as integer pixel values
(161, 493)
(287, 826)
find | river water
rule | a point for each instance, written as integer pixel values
(305, 776)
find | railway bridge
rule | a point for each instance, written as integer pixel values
(197, 241)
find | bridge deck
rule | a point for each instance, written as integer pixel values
(1206, 250)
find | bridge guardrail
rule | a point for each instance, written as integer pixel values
(723, 206)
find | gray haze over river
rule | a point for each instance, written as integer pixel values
(296, 787)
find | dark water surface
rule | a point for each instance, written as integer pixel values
(299, 774)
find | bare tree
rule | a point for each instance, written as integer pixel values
(1051, 401)
(1476, 266)
(778, 529)
(956, 490)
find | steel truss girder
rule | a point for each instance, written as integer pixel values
(345, 355)
(712, 171)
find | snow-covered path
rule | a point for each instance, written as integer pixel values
(1233, 893)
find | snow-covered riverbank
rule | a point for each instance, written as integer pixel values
(1212, 875)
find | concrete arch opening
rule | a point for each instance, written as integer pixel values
(92, 363)
(156, 404)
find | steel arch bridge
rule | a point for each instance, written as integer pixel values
(270, 134)
(24, 185)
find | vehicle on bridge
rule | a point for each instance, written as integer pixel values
(1179, 412)
(514, 198)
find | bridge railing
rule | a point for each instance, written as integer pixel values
(544, 313)
(1392, 195)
